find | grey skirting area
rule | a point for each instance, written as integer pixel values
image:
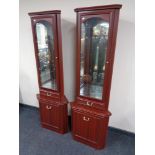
(35, 140)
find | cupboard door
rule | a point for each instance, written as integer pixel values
(92, 129)
(85, 127)
(89, 129)
(80, 126)
(45, 37)
(93, 51)
(49, 115)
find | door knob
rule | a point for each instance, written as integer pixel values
(48, 107)
(89, 104)
(48, 94)
(85, 119)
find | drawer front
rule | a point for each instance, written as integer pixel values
(49, 115)
(85, 127)
(89, 103)
(52, 101)
(49, 94)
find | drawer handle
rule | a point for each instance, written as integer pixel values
(48, 94)
(85, 119)
(89, 104)
(48, 107)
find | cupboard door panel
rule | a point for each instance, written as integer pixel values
(94, 43)
(50, 115)
(92, 129)
(46, 52)
(86, 127)
(81, 126)
(54, 117)
(45, 114)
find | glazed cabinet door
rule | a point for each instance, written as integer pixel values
(94, 41)
(49, 115)
(94, 55)
(46, 51)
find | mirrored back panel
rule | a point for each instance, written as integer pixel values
(46, 54)
(94, 39)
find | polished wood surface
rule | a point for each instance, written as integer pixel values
(113, 15)
(103, 7)
(44, 12)
(53, 103)
(53, 114)
(90, 116)
(90, 126)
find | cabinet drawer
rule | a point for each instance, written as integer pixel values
(49, 115)
(88, 103)
(52, 101)
(49, 94)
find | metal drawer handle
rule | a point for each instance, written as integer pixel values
(89, 104)
(48, 107)
(85, 119)
(48, 94)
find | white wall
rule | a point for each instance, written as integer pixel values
(122, 91)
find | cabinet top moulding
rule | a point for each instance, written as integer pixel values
(104, 7)
(44, 12)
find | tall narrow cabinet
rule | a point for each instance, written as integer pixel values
(46, 30)
(96, 39)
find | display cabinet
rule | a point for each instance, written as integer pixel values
(96, 39)
(46, 31)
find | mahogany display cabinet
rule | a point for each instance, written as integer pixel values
(46, 30)
(96, 39)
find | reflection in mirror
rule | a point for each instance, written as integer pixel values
(45, 40)
(94, 38)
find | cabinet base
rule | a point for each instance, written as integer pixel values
(89, 143)
(90, 127)
(53, 114)
(53, 128)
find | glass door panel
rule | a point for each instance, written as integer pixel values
(46, 54)
(94, 39)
